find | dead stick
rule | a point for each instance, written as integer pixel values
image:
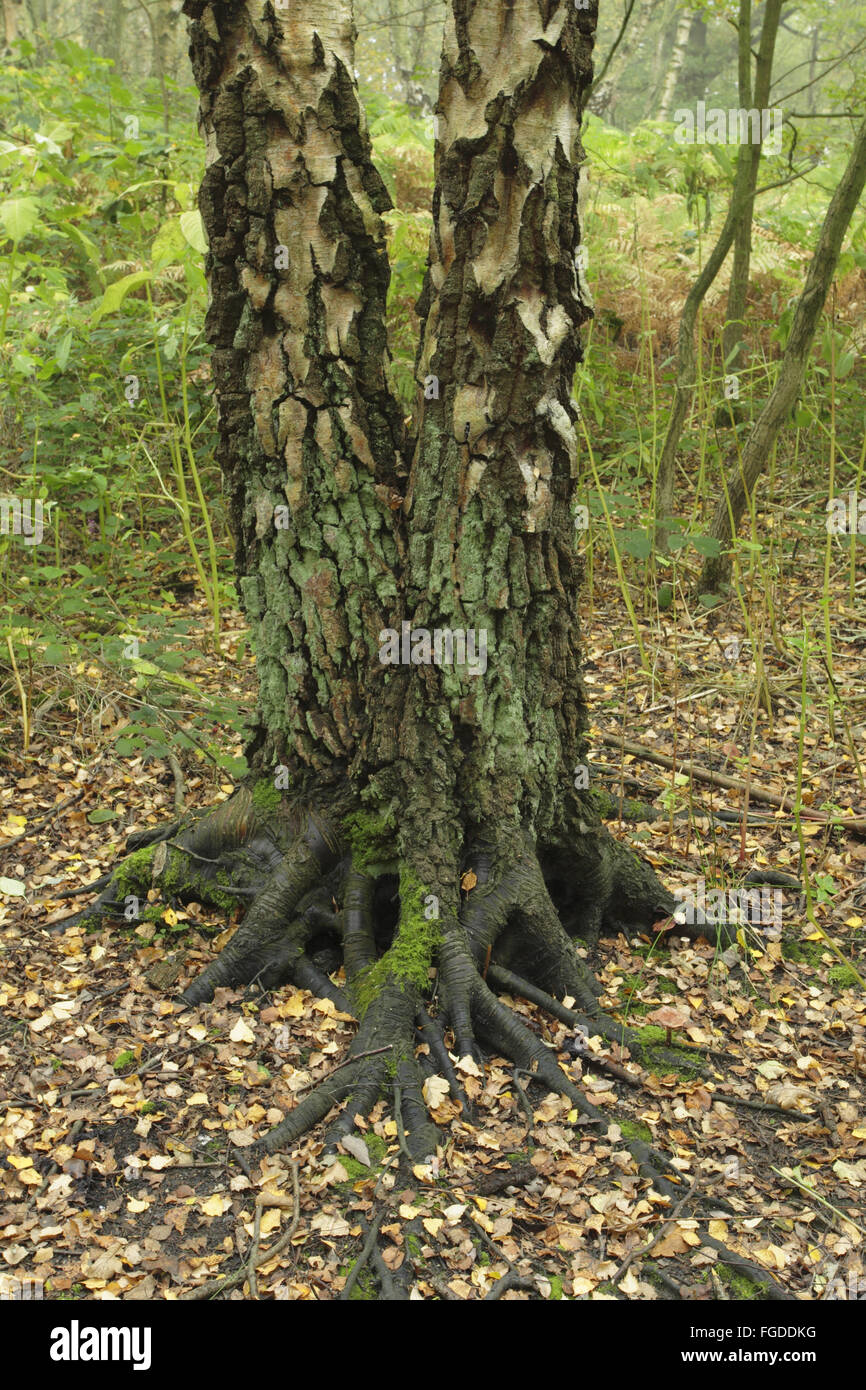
(645, 1249)
(721, 779)
(55, 811)
(215, 1286)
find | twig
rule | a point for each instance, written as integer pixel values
(721, 779)
(366, 1252)
(257, 1258)
(789, 1177)
(645, 1249)
(179, 784)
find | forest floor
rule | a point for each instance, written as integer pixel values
(122, 1111)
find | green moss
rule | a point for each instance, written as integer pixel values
(555, 1287)
(410, 955)
(741, 1286)
(371, 835)
(845, 976)
(133, 876)
(376, 1146)
(266, 797)
(355, 1169)
(653, 1038)
(364, 1290)
(608, 806)
(413, 1245)
(635, 1129)
(803, 952)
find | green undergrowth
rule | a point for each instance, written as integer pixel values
(652, 1040)
(741, 1286)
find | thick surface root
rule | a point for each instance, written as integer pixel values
(418, 964)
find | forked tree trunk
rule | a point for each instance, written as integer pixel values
(380, 748)
(456, 778)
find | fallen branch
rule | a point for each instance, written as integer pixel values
(55, 811)
(645, 1249)
(722, 779)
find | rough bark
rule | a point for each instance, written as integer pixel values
(450, 783)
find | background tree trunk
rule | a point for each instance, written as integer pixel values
(741, 481)
(678, 54)
(739, 213)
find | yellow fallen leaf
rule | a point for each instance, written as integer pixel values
(213, 1206)
(242, 1032)
(293, 1007)
(434, 1090)
(159, 1161)
(432, 1224)
(199, 1098)
(718, 1230)
(19, 1162)
(136, 1207)
(408, 1212)
(170, 917)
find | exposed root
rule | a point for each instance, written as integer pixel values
(413, 973)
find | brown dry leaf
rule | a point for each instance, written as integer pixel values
(673, 1243)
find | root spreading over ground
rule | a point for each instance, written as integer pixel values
(425, 965)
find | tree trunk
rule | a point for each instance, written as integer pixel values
(678, 54)
(601, 99)
(750, 154)
(741, 481)
(382, 759)
(11, 14)
(739, 212)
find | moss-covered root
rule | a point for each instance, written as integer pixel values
(219, 858)
(388, 995)
(381, 1064)
(257, 949)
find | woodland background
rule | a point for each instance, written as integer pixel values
(126, 677)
